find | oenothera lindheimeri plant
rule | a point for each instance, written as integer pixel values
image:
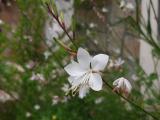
(85, 72)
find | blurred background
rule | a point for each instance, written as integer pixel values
(33, 82)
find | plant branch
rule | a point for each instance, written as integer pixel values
(61, 24)
(132, 103)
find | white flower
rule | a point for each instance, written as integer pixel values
(36, 107)
(99, 100)
(9, 3)
(130, 6)
(122, 85)
(55, 100)
(47, 54)
(28, 114)
(28, 37)
(1, 22)
(127, 5)
(95, 42)
(105, 10)
(134, 77)
(65, 87)
(122, 3)
(16, 66)
(30, 64)
(4, 97)
(39, 77)
(85, 73)
(118, 62)
(92, 25)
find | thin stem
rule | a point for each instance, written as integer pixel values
(132, 103)
(61, 24)
(154, 11)
(149, 39)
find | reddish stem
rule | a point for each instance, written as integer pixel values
(61, 24)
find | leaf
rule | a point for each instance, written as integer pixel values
(153, 76)
(156, 53)
(149, 29)
(149, 101)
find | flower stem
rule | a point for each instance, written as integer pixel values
(61, 24)
(132, 103)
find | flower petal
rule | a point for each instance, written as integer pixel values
(95, 81)
(128, 85)
(123, 83)
(74, 81)
(74, 69)
(84, 58)
(83, 90)
(71, 79)
(99, 62)
(115, 83)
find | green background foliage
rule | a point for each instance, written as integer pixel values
(31, 93)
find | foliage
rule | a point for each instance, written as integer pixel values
(26, 45)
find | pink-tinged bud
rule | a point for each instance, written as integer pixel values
(122, 85)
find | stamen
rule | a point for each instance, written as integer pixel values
(84, 82)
